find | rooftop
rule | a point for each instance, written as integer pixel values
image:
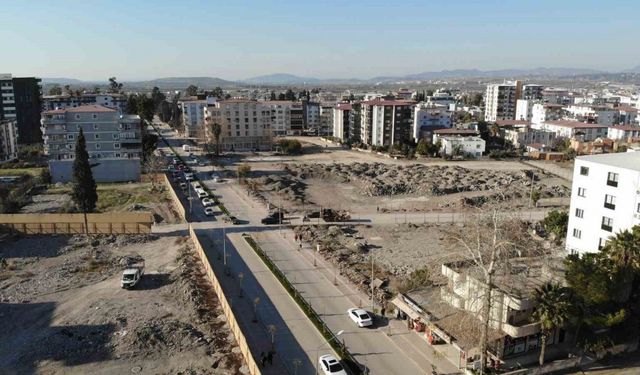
(82, 109)
(512, 122)
(455, 131)
(388, 102)
(344, 106)
(625, 160)
(574, 124)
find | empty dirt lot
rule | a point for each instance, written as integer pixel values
(62, 309)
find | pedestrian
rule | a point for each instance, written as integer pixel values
(382, 311)
(263, 359)
(300, 248)
(377, 208)
(270, 356)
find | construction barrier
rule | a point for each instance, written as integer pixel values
(105, 223)
(174, 197)
(226, 307)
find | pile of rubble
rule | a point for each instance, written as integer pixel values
(291, 187)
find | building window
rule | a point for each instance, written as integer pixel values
(638, 208)
(115, 135)
(584, 171)
(582, 192)
(77, 117)
(116, 145)
(577, 233)
(579, 213)
(98, 146)
(612, 179)
(601, 243)
(95, 126)
(610, 202)
(96, 136)
(70, 137)
(96, 116)
(607, 224)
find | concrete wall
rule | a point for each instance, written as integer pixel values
(177, 204)
(107, 223)
(108, 170)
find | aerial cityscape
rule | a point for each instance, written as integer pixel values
(320, 188)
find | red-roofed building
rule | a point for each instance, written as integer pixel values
(623, 132)
(572, 129)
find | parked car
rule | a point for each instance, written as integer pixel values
(188, 176)
(231, 219)
(360, 317)
(273, 218)
(207, 202)
(132, 274)
(202, 194)
(209, 211)
(330, 365)
(183, 185)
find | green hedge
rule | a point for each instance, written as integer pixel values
(317, 321)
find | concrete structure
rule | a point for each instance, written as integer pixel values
(386, 122)
(281, 116)
(532, 92)
(605, 199)
(554, 95)
(404, 94)
(524, 109)
(500, 101)
(427, 117)
(627, 115)
(355, 122)
(541, 112)
(110, 100)
(623, 132)
(441, 98)
(471, 147)
(8, 139)
(193, 116)
(113, 142)
(246, 124)
(573, 129)
(525, 136)
(311, 112)
(326, 119)
(20, 100)
(341, 117)
(590, 113)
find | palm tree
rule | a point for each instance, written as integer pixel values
(623, 250)
(552, 311)
(216, 129)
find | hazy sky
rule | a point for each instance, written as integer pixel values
(237, 39)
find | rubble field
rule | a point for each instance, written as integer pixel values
(366, 187)
(62, 309)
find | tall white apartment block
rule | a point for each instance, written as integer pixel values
(8, 139)
(193, 116)
(500, 101)
(524, 109)
(245, 124)
(605, 199)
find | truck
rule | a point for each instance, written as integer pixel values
(133, 271)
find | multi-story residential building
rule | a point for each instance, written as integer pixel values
(605, 199)
(532, 92)
(524, 109)
(110, 100)
(427, 117)
(594, 114)
(574, 129)
(623, 132)
(326, 119)
(193, 116)
(281, 116)
(113, 142)
(404, 94)
(500, 101)
(627, 115)
(355, 122)
(553, 95)
(311, 115)
(245, 124)
(471, 147)
(20, 100)
(296, 124)
(541, 112)
(387, 122)
(525, 136)
(441, 98)
(341, 117)
(8, 139)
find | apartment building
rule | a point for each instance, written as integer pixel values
(311, 115)
(594, 114)
(623, 132)
(341, 117)
(246, 124)
(193, 116)
(501, 100)
(532, 92)
(524, 109)
(326, 119)
(20, 100)
(355, 122)
(627, 115)
(8, 139)
(110, 100)
(386, 122)
(281, 116)
(428, 117)
(525, 136)
(555, 95)
(574, 129)
(469, 147)
(113, 142)
(441, 98)
(605, 199)
(541, 112)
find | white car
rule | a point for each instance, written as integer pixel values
(209, 211)
(330, 365)
(202, 194)
(360, 317)
(207, 202)
(188, 176)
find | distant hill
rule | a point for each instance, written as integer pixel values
(635, 69)
(280, 79)
(178, 83)
(68, 81)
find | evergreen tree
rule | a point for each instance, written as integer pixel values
(84, 193)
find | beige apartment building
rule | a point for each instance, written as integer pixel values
(246, 124)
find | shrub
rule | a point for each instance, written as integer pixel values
(290, 146)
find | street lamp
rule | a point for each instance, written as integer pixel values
(224, 249)
(320, 347)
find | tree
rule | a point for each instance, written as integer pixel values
(216, 130)
(623, 250)
(192, 90)
(157, 97)
(84, 192)
(423, 147)
(556, 222)
(535, 197)
(552, 310)
(217, 93)
(243, 171)
(272, 96)
(290, 95)
(96, 89)
(55, 90)
(290, 146)
(114, 86)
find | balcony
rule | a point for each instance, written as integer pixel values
(521, 331)
(612, 183)
(610, 206)
(606, 227)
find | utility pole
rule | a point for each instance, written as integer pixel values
(372, 298)
(531, 192)
(224, 248)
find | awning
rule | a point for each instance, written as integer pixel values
(405, 308)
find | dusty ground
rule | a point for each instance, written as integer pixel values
(141, 196)
(62, 309)
(368, 187)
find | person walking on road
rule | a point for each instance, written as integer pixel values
(263, 359)
(270, 356)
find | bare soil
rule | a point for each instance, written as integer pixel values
(62, 309)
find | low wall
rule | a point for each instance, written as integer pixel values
(226, 307)
(106, 223)
(174, 197)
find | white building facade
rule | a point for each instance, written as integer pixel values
(472, 147)
(245, 124)
(426, 117)
(8, 139)
(192, 116)
(574, 129)
(500, 101)
(605, 199)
